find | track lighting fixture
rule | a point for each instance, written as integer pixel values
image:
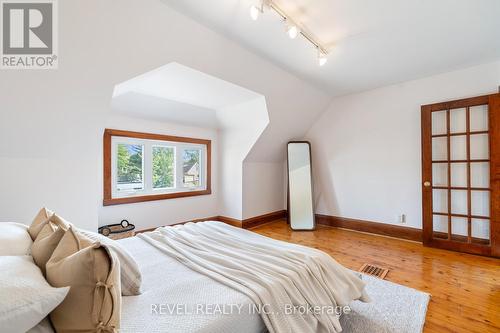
(293, 29)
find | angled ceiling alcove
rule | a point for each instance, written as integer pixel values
(178, 93)
(175, 93)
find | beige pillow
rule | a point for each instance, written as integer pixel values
(47, 228)
(59, 221)
(45, 244)
(130, 274)
(94, 300)
(36, 226)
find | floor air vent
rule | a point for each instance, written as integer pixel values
(377, 271)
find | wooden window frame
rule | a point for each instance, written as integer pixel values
(108, 199)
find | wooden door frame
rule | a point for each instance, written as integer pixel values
(494, 127)
(494, 142)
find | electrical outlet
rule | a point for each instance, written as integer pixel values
(402, 218)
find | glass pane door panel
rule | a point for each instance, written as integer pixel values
(440, 201)
(439, 174)
(480, 203)
(439, 149)
(440, 223)
(479, 146)
(480, 228)
(458, 226)
(460, 194)
(458, 147)
(480, 174)
(458, 120)
(459, 174)
(459, 202)
(479, 118)
(439, 122)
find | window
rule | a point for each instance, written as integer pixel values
(191, 167)
(143, 167)
(129, 170)
(163, 167)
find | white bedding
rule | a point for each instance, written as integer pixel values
(277, 275)
(166, 281)
(211, 264)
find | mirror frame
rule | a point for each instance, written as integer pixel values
(288, 186)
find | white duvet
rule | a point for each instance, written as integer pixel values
(280, 278)
(167, 282)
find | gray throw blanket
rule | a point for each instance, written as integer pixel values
(284, 280)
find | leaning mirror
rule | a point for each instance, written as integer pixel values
(300, 191)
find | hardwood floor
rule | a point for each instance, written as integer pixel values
(465, 288)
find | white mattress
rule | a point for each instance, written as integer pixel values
(168, 282)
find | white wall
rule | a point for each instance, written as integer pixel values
(51, 122)
(50, 143)
(366, 146)
(262, 188)
(241, 125)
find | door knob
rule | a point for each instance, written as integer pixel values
(427, 184)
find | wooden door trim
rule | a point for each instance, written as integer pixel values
(426, 172)
(459, 103)
(494, 128)
(471, 248)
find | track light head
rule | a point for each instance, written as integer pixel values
(293, 31)
(255, 12)
(322, 58)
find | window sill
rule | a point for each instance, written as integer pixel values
(153, 197)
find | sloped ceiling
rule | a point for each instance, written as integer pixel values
(373, 43)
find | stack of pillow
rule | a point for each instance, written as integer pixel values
(54, 270)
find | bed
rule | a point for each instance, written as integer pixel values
(181, 295)
(198, 277)
(167, 281)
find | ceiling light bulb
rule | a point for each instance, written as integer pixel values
(293, 31)
(322, 59)
(254, 13)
